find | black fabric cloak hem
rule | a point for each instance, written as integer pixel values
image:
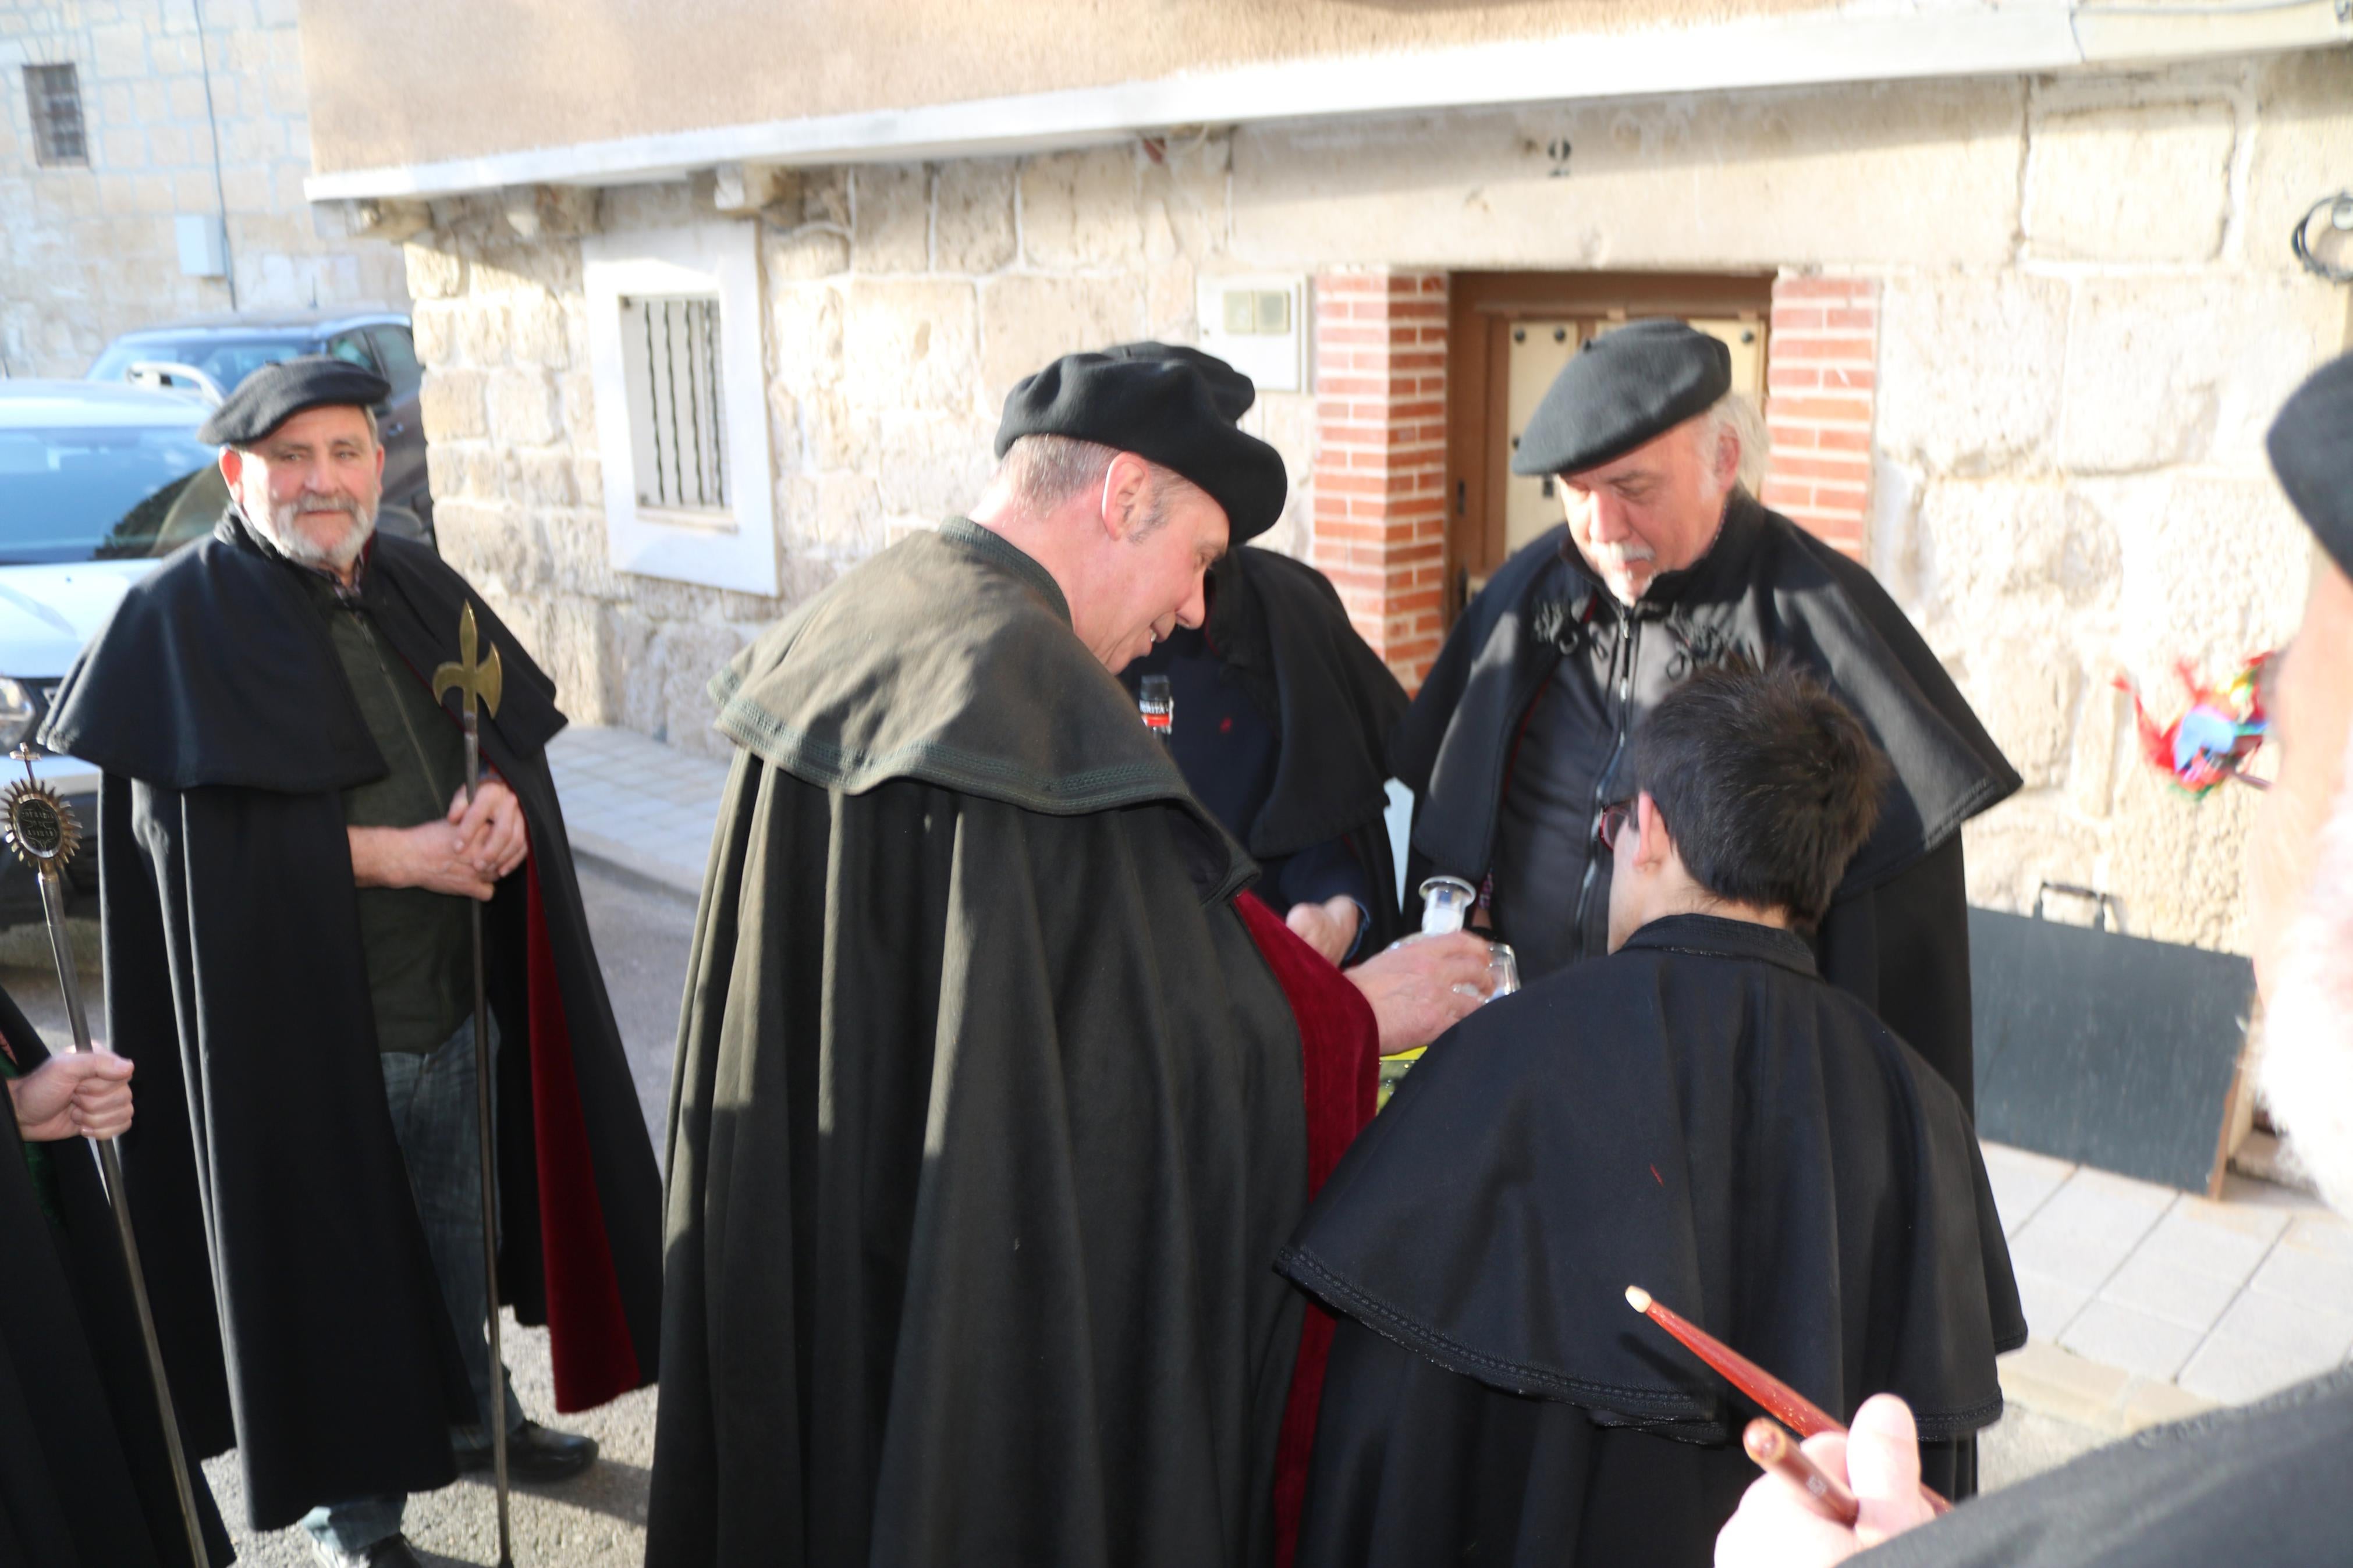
(1701, 1116)
(2258, 1483)
(1333, 703)
(1766, 585)
(1282, 624)
(987, 1112)
(275, 1220)
(85, 1479)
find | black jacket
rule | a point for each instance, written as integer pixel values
(1519, 738)
(1301, 778)
(1697, 1114)
(275, 1215)
(2260, 1483)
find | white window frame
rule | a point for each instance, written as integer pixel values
(735, 549)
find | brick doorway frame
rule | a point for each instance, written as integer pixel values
(1407, 469)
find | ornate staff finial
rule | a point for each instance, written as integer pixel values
(35, 819)
(472, 679)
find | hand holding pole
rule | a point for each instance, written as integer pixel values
(478, 683)
(41, 830)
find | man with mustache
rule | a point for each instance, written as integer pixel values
(1667, 563)
(2265, 1483)
(289, 860)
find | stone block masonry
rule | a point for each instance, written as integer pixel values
(2026, 335)
(900, 304)
(93, 251)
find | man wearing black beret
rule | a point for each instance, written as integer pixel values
(1279, 720)
(996, 1093)
(1516, 744)
(290, 855)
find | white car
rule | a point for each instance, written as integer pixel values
(99, 482)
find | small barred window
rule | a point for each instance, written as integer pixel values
(671, 349)
(55, 94)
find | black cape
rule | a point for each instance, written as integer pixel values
(1897, 933)
(2262, 1483)
(274, 1211)
(1697, 1114)
(85, 1479)
(1278, 626)
(987, 1118)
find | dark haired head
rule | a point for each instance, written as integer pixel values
(1767, 783)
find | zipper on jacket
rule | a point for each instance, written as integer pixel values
(1629, 650)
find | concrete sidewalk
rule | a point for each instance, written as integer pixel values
(636, 805)
(2145, 1304)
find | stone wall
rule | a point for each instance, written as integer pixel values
(903, 302)
(2086, 311)
(87, 253)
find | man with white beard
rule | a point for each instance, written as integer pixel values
(2267, 1483)
(290, 861)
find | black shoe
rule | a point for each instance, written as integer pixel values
(536, 1454)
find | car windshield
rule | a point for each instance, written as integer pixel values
(104, 493)
(227, 360)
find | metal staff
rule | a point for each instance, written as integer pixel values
(41, 830)
(478, 683)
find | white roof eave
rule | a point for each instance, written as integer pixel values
(1865, 42)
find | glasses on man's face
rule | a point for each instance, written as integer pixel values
(1610, 824)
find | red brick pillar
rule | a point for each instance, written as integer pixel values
(1380, 458)
(1820, 380)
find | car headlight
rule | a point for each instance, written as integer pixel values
(18, 710)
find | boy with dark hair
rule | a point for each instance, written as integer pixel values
(1699, 1114)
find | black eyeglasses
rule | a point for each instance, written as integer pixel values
(1610, 824)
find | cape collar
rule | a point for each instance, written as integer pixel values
(238, 530)
(1713, 936)
(994, 547)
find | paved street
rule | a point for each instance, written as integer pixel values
(2145, 1304)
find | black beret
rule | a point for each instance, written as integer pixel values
(1625, 388)
(2311, 446)
(276, 393)
(1230, 389)
(1163, 409)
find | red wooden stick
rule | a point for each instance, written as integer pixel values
(1792, 1409)
(1800, 1414)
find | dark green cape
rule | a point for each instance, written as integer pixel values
(987, 1118)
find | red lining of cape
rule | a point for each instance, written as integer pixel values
(588, 1331)
(1339, 1052)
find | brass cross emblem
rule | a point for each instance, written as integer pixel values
(472, 679)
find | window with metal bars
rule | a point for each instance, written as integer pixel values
(669, 356)
(55, 94)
